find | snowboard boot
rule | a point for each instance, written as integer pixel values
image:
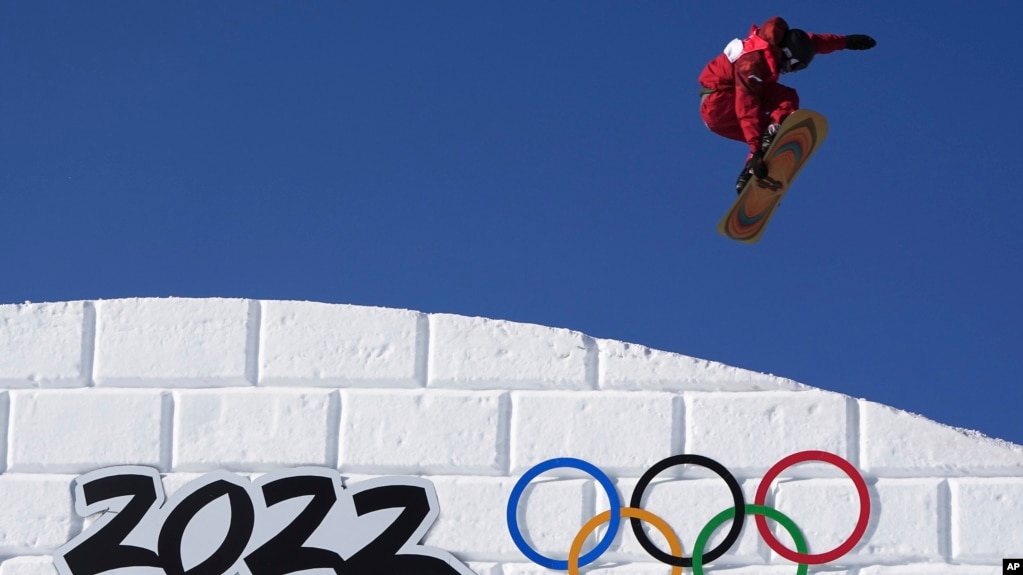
(754, 167)
(768, 137)
(744, 176)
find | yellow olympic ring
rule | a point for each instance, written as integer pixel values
(635, 513)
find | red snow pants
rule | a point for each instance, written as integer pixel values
(718, 109)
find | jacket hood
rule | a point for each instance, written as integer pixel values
(773, 31)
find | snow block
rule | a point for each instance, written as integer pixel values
(305, 343)
(898, 443)
(619, 432)
(74, 431)
(479, 353)
(750, 431)
(46, 345)
(174, 343)
(635, 367)
(444, 431)
(254, 429)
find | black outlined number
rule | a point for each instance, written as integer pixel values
(243, 519)
(383, 554)
(285, 553)
(103, 550)
(132, 507)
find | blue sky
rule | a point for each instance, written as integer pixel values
(537, 161)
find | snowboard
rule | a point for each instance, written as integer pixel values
(798, 138)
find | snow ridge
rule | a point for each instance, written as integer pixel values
(190, 386)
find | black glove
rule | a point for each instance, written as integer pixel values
(859, 42)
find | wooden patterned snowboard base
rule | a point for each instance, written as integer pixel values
(799, 137)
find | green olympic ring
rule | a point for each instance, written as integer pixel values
(751, 509)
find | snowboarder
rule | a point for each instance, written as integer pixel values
(741, 97)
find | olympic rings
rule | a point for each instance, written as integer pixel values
(520, 486)
(733, 486)
(861, 521)
(759, 511)
(634, 514)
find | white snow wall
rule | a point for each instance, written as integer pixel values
(190, 386)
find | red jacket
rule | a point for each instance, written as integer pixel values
(747, 65)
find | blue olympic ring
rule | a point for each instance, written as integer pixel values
(520, 487)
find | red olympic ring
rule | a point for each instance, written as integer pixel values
(861, 522)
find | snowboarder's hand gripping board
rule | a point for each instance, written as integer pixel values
(800, 135)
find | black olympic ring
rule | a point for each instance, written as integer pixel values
(689, 459)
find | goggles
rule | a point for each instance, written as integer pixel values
(793, 64)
